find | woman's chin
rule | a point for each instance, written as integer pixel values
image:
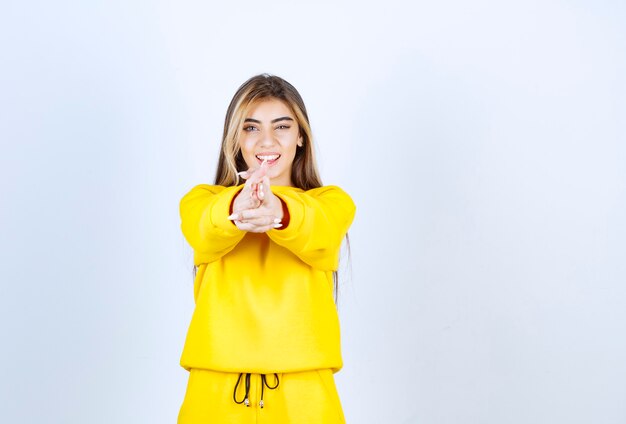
(277, 179)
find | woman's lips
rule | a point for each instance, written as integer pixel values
(271, 158)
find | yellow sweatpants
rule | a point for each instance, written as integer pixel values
(304, 398)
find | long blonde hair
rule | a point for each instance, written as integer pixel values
(304, 173)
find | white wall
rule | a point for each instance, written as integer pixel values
(484, 145)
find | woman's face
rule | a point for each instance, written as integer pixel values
(270, 131)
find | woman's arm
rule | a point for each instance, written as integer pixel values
(310, 223)
(318, 221)
(204, 214)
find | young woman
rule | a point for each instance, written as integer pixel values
(263, 342)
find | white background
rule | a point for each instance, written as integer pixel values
(484, 145)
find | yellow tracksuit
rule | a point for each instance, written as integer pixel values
(264, 309)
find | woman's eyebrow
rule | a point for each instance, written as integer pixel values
(283, 118)
(273, 121)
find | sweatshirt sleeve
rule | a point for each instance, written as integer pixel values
(318, 221)
(203, 212)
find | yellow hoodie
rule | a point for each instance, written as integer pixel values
(264, 301)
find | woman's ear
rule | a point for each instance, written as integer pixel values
(300, 143)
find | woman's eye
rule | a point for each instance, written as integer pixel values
(282, 127)
(249, 128)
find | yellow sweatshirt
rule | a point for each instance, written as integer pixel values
(264, 301)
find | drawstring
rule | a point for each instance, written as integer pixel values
(246, 398)
(263, 384)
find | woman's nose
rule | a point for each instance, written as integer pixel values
(267, 139)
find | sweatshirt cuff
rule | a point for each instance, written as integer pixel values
(295, 212)
(221, 210)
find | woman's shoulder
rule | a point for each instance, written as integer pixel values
(328, 190)
(328, 194)
(316, 192)
(209, 190)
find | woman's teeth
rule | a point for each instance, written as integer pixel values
(269, 158)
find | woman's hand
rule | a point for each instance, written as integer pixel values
(255, 208)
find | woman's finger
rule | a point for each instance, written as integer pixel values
(264, 188)
(262, 221)
(253, 184)
(246, 226)
(259, 174)
(254, 216)
(253, 192)
(254, 174)
(245, 200)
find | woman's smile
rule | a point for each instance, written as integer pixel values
(271, 158)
